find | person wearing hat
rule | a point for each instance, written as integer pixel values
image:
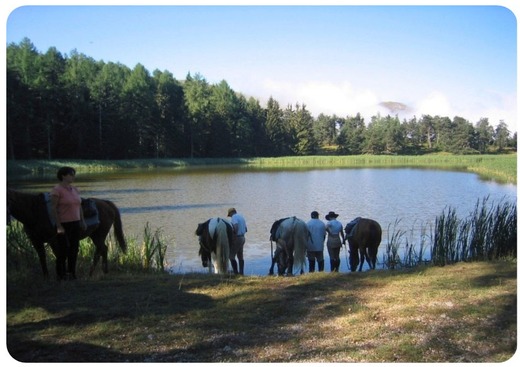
(239, 239)
(315, 243)
(334, 240)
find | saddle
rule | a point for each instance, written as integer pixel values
(350, 228)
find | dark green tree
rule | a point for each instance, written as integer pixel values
(107, 96)
(484, 135)
(78, 134)
(275, 129)
(305, 141)
(501, 136)
(351, 137)
(169, 100)
(197, 102)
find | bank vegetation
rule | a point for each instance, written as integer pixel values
(499, 167)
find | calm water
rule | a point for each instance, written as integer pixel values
(177, 201)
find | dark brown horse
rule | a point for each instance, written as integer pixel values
(363, 241)
(31, 210)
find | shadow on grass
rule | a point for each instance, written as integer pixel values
(204, 318)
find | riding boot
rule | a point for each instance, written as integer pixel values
(321, 265)
(332, 263)
(241, 267)
(312, 266)
(234, 266)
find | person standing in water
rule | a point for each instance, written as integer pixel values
(237, 249)
(334, 240)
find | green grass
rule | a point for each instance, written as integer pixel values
(459, 313)
(500, 167)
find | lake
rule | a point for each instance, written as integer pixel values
(175, 201)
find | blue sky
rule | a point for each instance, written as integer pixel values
(442, 60)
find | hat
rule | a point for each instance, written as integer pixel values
(314, 214)
(331, 215)
(231, 211)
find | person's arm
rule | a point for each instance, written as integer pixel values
(54, 212)
(82, 222)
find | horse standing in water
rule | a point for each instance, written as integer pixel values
(363, 240)
(215, 240)
(291, 236)
(32, 211)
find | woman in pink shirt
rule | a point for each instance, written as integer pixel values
(68, 216)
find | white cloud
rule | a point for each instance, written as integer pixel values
(345, 99)
(434, 104)
(324, 97)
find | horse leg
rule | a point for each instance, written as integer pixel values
(372, 257)
(101, 251)
(353, 258)
(362, 255)
(40, 250)
(59, 248)
(274, 260)
(94, 262)
(290, 263)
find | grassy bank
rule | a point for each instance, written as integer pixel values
(502, 168)
(459, 313)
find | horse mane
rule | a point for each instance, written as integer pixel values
(274, 228)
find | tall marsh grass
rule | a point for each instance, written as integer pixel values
(401, 249)
(488, 233)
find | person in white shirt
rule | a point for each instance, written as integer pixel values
(315, 243)
(237, 249)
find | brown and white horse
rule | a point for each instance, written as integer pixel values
(215, 240)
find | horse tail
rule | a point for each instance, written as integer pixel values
(300, 238)
(222, 246)
(118, 226)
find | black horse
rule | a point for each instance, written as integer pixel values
(32, 211)
(363, 240)
(215, 240)
(291, 236)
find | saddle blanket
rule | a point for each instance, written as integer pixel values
(350, 228)
(90, 211)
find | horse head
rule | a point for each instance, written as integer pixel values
(204, 250)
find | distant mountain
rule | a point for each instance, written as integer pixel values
(395, 107)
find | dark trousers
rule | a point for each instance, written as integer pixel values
(67, 250)
(334, 258)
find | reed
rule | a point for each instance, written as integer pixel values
(391, 259)
(401, 249)
(21, 256)
(488, 233)
(146, 255)
(153, 249)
